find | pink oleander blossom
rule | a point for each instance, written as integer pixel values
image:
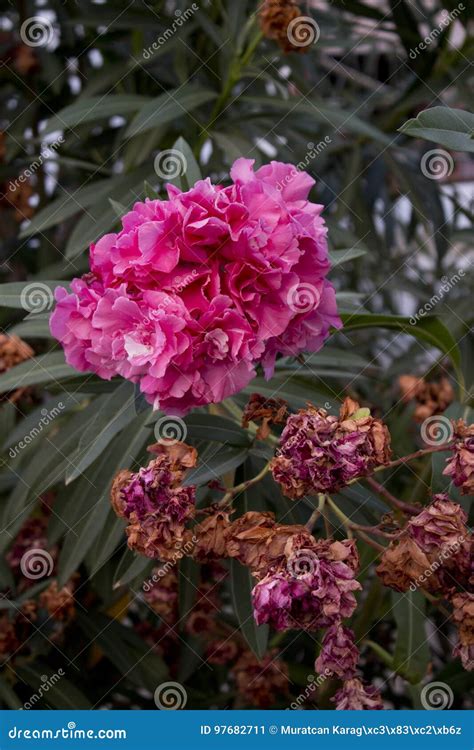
(194, 292)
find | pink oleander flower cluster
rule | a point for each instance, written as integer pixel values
(195, 291)
(320, 452)
(310, 596)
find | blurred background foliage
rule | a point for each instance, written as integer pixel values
(115, 84)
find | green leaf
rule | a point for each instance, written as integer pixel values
(188, 582)
(93, 109)
(167, 107)
(132, 566)
(114, 412)
(215, 428)
(23, 295)
(8, 695)
(61, 694)
(241, 586)
(127, 651)
(213, 464)
(191, 171)
(429, 329)
(412, 654)
(101, 216)
(36, 371)
(338, 257)
(453, 128)
(120, 454)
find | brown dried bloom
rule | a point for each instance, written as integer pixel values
(267, 411)
(258, 542)
(260, 683)
(155, 503)
(404, 564)
(463, 616)
(432, 398)
(222, 651)
(460, 466)
(211, 537)
(8, 640)
(320, 452)
(13, 351)
(59, 603)
(161, 593)
(275, 17)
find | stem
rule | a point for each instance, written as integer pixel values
(417, 454)
(230, 494)
(351, 526)
(316, 513)
(391, 499)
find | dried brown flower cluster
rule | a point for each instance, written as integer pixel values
(463, 616)
(275, 17)
(431, 397)
(260, 683)
(320, 452)
(266, 411)
(460, 467)
(154, 502)
(13, 351)
(433, 552)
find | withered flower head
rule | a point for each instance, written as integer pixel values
(432, 398)
(460, 467)
(440, 524)
(9, 642)
(13, 351)
(211, 537)
(275, 17)
(222, 651)
(322, 453)
(463, 616)
(311, 589)
(154, 502)
(260, 683)
(162, 594)
(403, 563)
(258, 542)
(339, 654)
(355, 696)
(268, 411)
(59, 603)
